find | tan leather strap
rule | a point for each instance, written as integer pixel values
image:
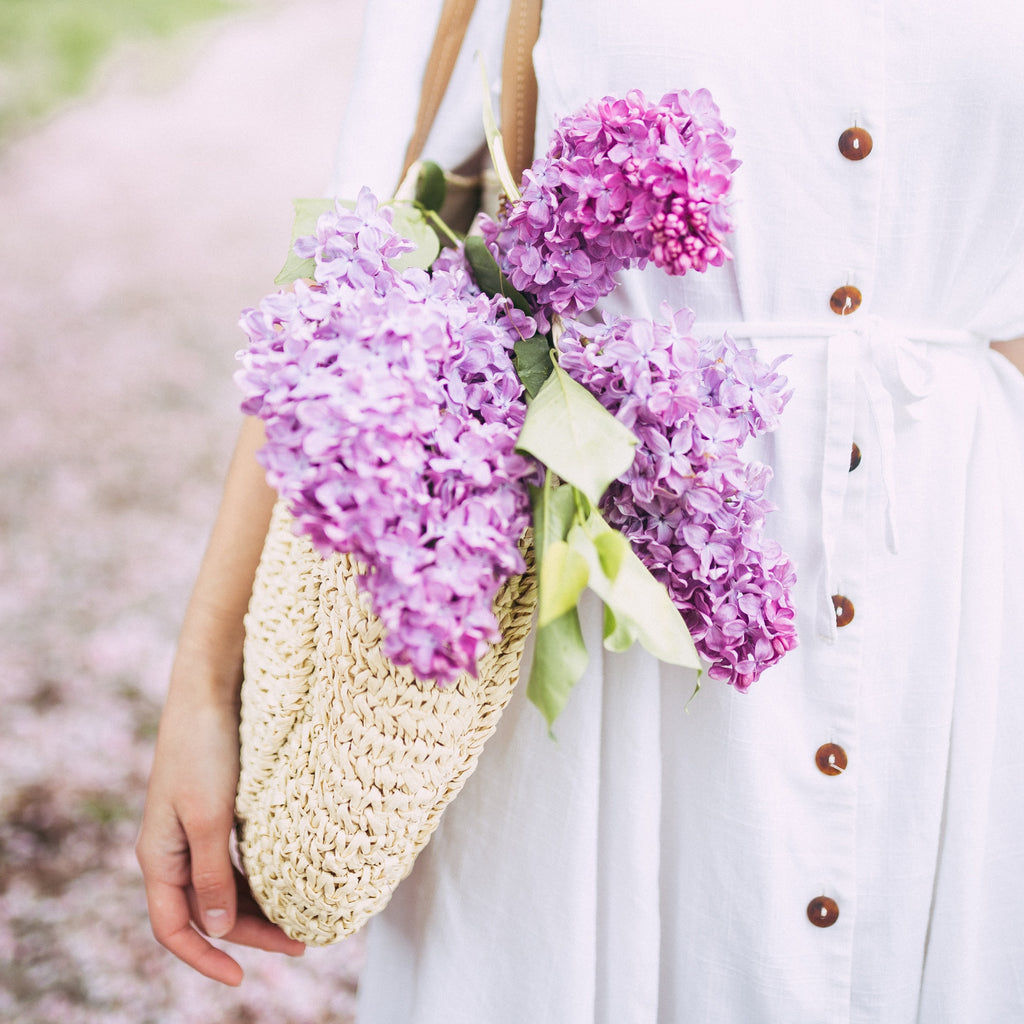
(451, 30)
(519, 85)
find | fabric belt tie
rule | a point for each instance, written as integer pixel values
(892, 367)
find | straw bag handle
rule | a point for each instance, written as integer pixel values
(518, 88)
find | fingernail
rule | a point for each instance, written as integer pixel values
(216, 922)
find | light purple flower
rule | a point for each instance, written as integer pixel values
(691, 505)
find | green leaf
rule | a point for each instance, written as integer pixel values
(559, 659)
(533, 362)
(410, 222)
(560, 654)
(561, 580)
(569, 430)
(307, 213)
(554, 512)
(561, 573)
(489, 278)
(431, 186)
(612, 549)
(575, 548)
(638, 607)
(617, 635)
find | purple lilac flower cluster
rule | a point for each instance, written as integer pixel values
(624, 182)
(691, 505)
(391, 409)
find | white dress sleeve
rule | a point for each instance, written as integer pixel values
(381, 110)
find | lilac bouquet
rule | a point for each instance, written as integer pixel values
(424, 407)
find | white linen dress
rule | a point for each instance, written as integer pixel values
(845, 842)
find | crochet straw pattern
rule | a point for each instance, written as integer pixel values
(348, 762)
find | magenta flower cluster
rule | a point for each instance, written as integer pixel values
(624, 182)
(691, 505)
(391, 409)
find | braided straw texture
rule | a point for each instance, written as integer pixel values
(348, 761)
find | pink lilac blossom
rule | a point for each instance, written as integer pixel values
(624, 182)
(391, 408)
(691, 505)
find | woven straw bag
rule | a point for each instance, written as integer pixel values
(347, 761)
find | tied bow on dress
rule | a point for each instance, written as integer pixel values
(889, 364)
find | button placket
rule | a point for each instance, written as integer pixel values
(855, 143)
(843, 551)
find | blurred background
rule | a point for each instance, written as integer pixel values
(149, 151)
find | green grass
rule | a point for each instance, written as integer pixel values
(50, 49)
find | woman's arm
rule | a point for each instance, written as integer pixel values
(184, 842)
(183, 845)
(1013, 350)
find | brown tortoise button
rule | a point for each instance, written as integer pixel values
(854, 456)
(830, 759)
(822, 912)
(845, 300)
(855, 143)
(844, 609)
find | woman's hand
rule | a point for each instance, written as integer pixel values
(192, 887)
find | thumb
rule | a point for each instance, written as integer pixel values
(212, 876)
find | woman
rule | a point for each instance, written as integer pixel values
(841, 843)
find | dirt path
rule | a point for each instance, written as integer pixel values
(135, 227)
